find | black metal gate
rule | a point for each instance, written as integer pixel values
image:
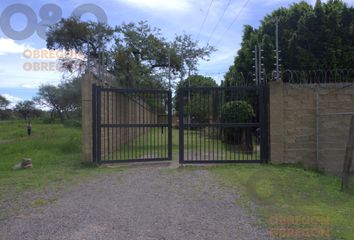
(223, 124)
(131, 125)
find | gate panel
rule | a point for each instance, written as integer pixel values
(131, 125)
(223, 125)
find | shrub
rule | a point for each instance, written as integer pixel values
(237, 112)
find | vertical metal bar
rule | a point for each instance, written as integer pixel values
(116, 128)
(143, 122)
(262, 122)
(201, 96)
(151, 129)
(111, 129)
(181, 126)
(121, 131)
(159, 97)
(107, 122)
(169, 124)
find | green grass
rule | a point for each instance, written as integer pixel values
(288, 191)
(153, 144)
(55, 152)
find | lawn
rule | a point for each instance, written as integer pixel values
(55, 151)
(304, 202)
(280, 194)
(198, 146)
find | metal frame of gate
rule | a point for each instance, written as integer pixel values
(131, 125)
(191, 130)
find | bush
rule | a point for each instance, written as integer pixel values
(237, 112)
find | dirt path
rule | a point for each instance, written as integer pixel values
(136, 204)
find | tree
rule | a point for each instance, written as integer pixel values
(196, 105)
(139, 57)
(310, 37)
(190, 53)
(142, 55)
(26, 109)
(88, 38)
(63, 100)
(4, 112)
(3, 103)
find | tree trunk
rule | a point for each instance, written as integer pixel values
(348, 158)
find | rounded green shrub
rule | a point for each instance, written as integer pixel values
(237, 112)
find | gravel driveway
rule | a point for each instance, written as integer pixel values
(139, 203)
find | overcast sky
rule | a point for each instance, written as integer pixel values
(223, 24)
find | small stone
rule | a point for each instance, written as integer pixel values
(24, 164)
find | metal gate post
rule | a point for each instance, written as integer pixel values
(169, 125)
(263, 108)
(98, 125)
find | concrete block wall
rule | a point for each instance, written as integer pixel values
(116, 108)
(298, 136)
(120, 108)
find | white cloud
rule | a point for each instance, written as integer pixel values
(160, 5)
(13, 99)
(30, 85)
(9, 46)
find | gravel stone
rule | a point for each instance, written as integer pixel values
(141, 203)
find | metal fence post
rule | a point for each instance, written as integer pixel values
(169, 125)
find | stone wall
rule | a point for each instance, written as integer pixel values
(303, 128)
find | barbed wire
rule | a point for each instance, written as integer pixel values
(320, 76)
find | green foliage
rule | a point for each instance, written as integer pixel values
(3, 102)
(6, 114)
(237, 112)
(139, 57)
(63, 100)
(27, 109)
(310, 37)
(196, 107)
(88, 38)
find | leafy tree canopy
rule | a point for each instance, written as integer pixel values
(195, 106)
(310, 37)
(26, 109)
(3, 102)
(137, 54)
